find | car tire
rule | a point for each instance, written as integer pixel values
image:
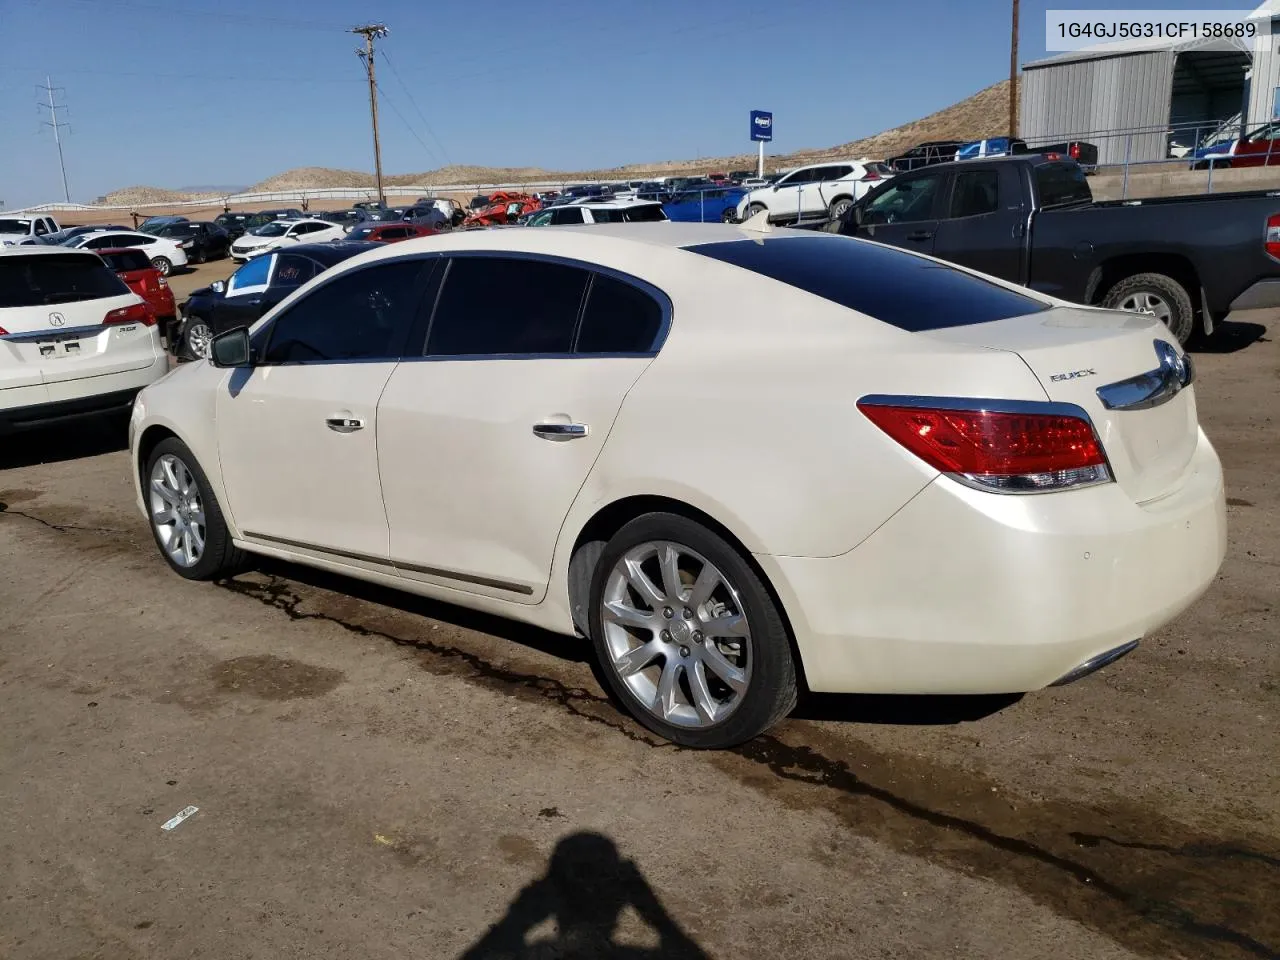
(754, 209)
(839, 207)
(197, 256)
(197, 336)
(172, 513)
(729, 216)
(1157, 294)
(682, 679)
(163, 264)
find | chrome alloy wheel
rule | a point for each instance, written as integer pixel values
(176, 511)
(1144, 301)
(200, 340)
(676, 634)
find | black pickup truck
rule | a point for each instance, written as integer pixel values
(1031, 219)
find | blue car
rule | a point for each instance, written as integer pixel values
(992, 147)
(708, 205)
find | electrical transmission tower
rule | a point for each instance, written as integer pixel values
(370, 32)
(53, 122)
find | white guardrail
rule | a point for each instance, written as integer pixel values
(324, 193)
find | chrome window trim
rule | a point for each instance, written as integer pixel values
(1153, 388)
(56, 333)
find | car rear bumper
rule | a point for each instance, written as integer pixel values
(967, 592)
(73, 399)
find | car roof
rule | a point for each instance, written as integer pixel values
(331, 253)
(617, 204)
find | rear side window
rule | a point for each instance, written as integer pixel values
(294, 271)
(1061, 183)
(652, 213)
(898, 288)
(127, 260)
(525, 307)
(975, 192)
(618, 318)
(362, 315)
(566, 215)
(55, 278)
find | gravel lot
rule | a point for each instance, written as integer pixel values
(381, 776)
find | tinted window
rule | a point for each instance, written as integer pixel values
(493, 305)
(55, 278)
(293, 271)
(975, 192)
(566, 215)
(903, 201)
(127, 260)
(619, 318)
(361, 315)
(136, 240)
(607, 215)
(909, 292)
(1060, 183)
(252, 274)
(646, 214)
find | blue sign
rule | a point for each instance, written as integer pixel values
(761, 125)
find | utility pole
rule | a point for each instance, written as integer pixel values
(1013, 75)
(52, 107)
(370, 31)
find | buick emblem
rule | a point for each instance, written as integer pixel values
(56, 319)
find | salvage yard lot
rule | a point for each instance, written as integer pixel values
(382, 776)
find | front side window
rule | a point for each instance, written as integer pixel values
(362, 315)
(539, 321)
(975, 192)
(904, 201)
(618, 318)
(252, 274)
(541, 219)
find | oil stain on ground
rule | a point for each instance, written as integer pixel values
(273, 678)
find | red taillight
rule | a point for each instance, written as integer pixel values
(1074, 151)
(136, 313)
(1271, 238)
(1053, 156)
(1016, 452)
(3, 332)
(871, 175)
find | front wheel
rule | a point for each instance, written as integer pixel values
(197, 340)
(163, 264)
(754, 209)
(1156, 295)
(186, 520)
(839, 208)
(688, 636)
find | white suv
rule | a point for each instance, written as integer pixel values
(74, 341)
(599, 211)
(819, 190)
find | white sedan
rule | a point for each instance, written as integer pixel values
(283, 233)
(731, 458)
(165, 254)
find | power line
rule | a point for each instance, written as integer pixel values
(53, 122)
(413, 103)
(370, 31)
(391, 103)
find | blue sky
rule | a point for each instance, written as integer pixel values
(217, 92)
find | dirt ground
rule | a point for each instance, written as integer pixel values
(378, 776)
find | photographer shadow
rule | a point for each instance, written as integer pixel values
(585, 890)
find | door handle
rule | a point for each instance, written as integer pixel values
(560, 431)
(920, 235)
(344, 424)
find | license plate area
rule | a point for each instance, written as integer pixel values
(54, 346)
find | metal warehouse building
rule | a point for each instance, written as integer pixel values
(1137, 102)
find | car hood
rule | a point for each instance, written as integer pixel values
(249, 241)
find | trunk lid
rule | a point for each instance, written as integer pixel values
(1074, 352)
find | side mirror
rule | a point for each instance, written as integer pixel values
(218, 286)
(775, 188)
(231, 349)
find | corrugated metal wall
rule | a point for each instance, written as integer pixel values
(1265, 79)
(1092, 99)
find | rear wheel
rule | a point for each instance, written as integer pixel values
(1158, 295)
(688, 636)
(729, 216)
(163, 264)
(186, 520)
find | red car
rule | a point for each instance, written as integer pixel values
(388, 232)
(133, 267)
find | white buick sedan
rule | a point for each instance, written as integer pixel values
(737, 460)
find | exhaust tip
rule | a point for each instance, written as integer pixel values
(1095, 663)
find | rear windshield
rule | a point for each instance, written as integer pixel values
(127, 260)
(1059, 184)
(898, 288)
(55, 278)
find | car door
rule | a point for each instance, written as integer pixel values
(297, 432)
(785, 197)
(904, 213)
(485, 442)
(830, 184)
(984, 222)
(240, 304)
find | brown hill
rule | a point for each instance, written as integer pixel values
(985, 113)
